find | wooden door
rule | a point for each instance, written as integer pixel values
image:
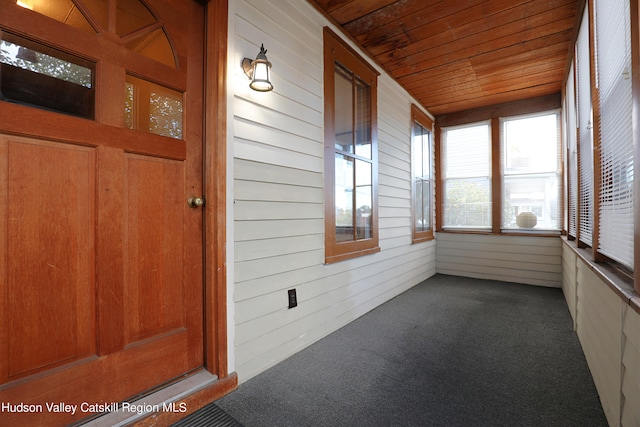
(101, 258)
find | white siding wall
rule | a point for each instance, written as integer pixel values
(520, 259)
(609, 331)
(598, 327)
(630, 412)
(277, 170)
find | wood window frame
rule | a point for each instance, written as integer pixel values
(337, 51)
(420, 118)
(601, 146)
(490, 151)
(617, 276)
(493, 114)
(635, 87)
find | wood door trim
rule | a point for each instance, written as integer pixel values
(36, 123)
(192, 402)
(99, 48)
(188, 395)
(215, 159)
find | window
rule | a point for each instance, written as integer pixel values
(531, 172)
(35, 74)
(502, 174)
(133, 22)
(351, 214)
(572, 154)
(422, 182)
(466, 152)
(615, 185)
(585, 135)
(53, 80)
(601, 141)
(153, 108)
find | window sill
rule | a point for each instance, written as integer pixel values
(515, 232)
(421, 239)
(331, 259)
(617, 281)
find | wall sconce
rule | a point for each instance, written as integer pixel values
(258, 71)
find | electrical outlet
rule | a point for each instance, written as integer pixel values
(293, 298)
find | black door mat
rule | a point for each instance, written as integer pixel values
(209, 416)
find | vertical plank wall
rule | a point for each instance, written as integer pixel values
(277, 143)
(609, 331)
(520, 259)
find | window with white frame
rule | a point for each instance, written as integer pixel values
(571, 154)
(616, 162)
(585, 134)
(531, 165)
(466, 152)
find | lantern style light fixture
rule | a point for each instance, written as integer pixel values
(258, 70)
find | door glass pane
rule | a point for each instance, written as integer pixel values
(54, 81)
(132, 18)
(344, 198)
(61, 10)
(132, 15)
(153, 108)
(154, 45)
(343, 110)
(98, 11)
(364, 200)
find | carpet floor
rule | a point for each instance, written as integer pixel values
(450, 351)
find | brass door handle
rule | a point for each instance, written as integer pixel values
(195, 202)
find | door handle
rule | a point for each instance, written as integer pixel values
(195, 202)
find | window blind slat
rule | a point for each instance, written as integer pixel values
(585, 142)
(572, 148)
(613, 43)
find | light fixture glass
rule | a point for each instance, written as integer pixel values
(258, 71)
(25, 3)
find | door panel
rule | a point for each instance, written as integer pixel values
(50, 274)
(155, 204)
(101, 267)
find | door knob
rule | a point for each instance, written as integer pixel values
(195, 202)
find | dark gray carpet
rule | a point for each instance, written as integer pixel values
(451, 351)
(209, 416)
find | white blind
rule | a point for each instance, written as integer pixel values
(613, 43)
(572, 148)
(585, 143)
(467, 176)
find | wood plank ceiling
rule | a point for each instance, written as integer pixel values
(455, 55)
